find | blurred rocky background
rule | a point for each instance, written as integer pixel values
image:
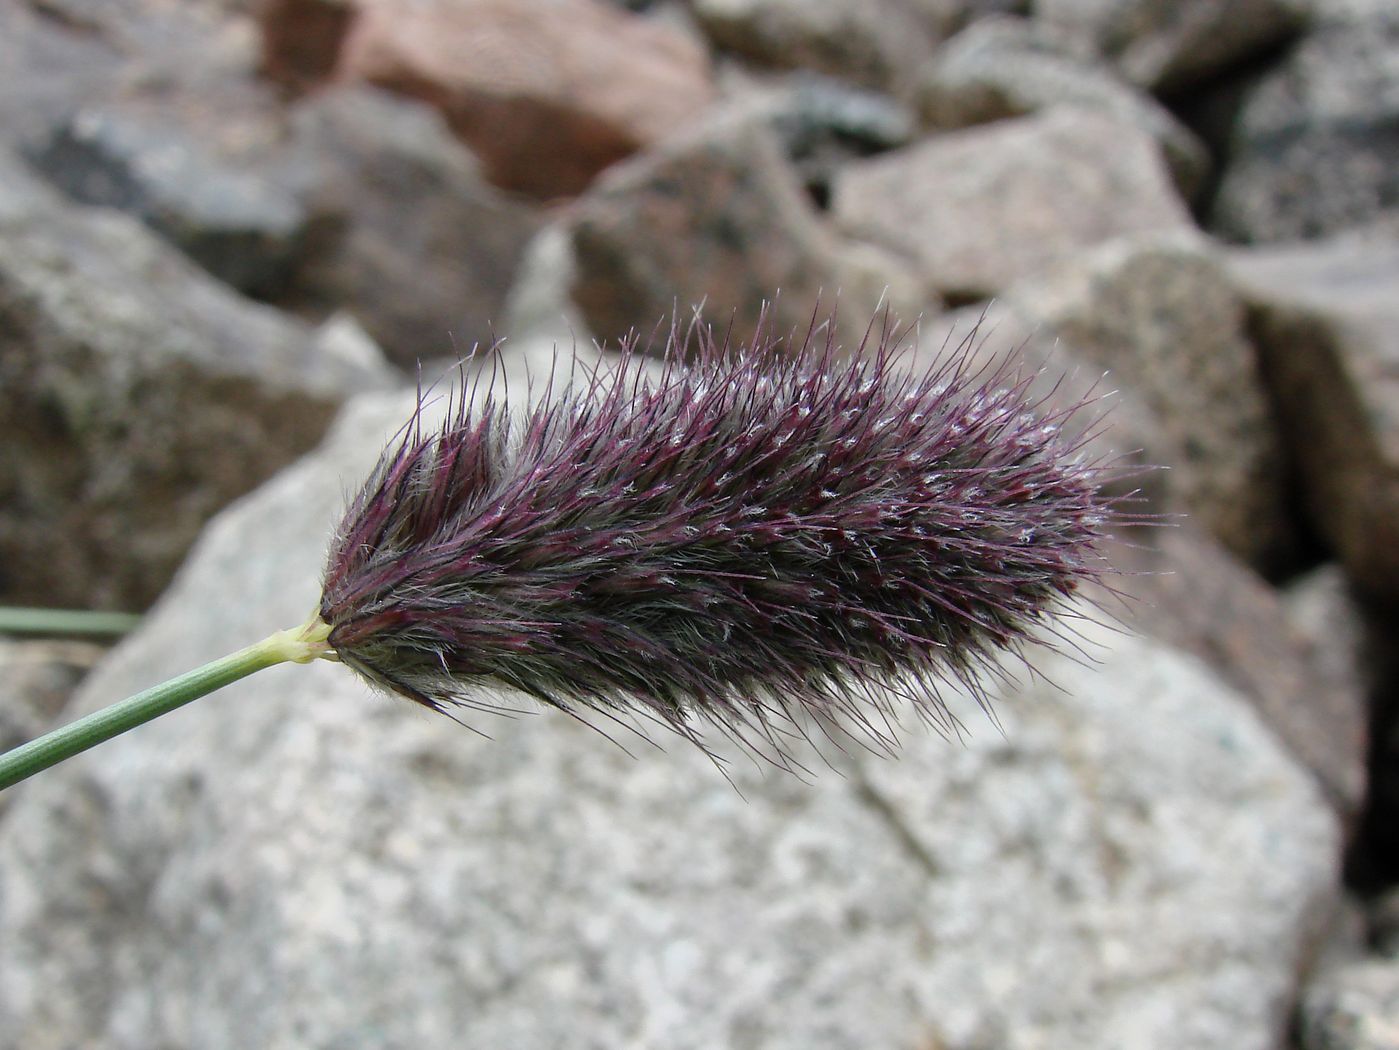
(233, 231)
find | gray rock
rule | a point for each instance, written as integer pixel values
(1188, 591)
(1172, 45)
(354, 872)
(1325, 317)
(822, 123)
(47, 70)
(1160, 313)
(137, 397)
(37, 678)
(240, 226)
(1008, 67)
(1352, 1006)
(411, 239)
(980, 208)
(717, 216)
(1315, 148)
(877, 43)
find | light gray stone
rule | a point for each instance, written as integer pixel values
(37, 677)
(1130, 861)
(1314, 149)
(1326, 320)
(1172, 44)
(137, 396)
(878, 43)
(1008, 67)
(239, 225)
(1352, 1006)
(980, 208)
(1160, 312)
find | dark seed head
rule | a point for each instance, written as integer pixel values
(763, 535)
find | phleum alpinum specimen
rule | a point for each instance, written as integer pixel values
(757, 538)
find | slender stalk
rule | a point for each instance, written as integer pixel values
(16, 619)
(298, 645)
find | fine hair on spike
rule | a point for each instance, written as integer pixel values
(760, 538)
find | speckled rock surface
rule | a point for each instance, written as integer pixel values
(350, 871)
(1352, 1006)
(717, 216)
(873, 42)
(1314, 149)
(411, 237)
(137, 397)
(1007, 67)
(1326, 319)
(980, 208)
(1160, 312)
(1172, 44)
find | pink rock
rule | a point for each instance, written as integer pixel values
(547, 93)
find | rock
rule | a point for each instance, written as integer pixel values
(539, 307)
(877, 43)
(1160, 312)
(39, 677)
(822, 124)
(348, 869)
(981, 208)
(1323, 610)
(1008, 67)
(1315, 148)
(1166, 45)
(137, 395)
(241, 227)
(546, 93)
(717, 217)
(411, 239)
(1117, 426)
(1352, 1006)
(1188, 591)
(1325, 318)
(47, 70)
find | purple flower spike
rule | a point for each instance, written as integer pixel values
(762, 538)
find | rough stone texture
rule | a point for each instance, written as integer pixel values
(137, 396)
(878, 43)
(718, 216)
(1326, 320)
(37, 678)
(1008, 67)
(1315, 148)
(1352, 1006)
(823, 123)
(1161, 314)
(1191, 593)
(411, 239)
(354, 871)
(982, 207)
(240, 226)
(1118, 426)
(47, 69)
(547, 92)
(1171, 44)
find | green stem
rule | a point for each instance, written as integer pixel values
(20, 620)
(298, 645)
